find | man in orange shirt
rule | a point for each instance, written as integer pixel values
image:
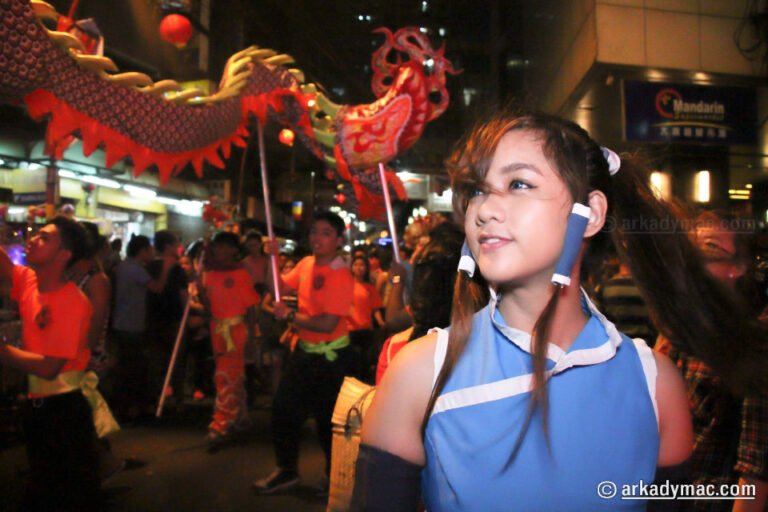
(55, 315)
(316, 368)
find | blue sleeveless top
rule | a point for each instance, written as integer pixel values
(602, 422)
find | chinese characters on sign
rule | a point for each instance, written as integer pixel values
(689, 114)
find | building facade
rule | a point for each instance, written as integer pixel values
(682, 80)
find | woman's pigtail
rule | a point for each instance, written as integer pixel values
(469, 295)
(539, 395)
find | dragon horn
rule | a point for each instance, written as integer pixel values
(96, 63)
(279, 60)
(44, 10)
(238, 82)
(246, 53)
(161, 87)
(235, 67)
(65, 40)
(263, 53)
(130, 79)
(297, 74)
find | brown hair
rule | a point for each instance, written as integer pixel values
(691, 308)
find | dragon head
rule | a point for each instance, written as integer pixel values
(410, 45)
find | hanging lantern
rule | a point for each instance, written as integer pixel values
(286, 136)
(176, 29)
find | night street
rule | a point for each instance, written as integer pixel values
(170, 468)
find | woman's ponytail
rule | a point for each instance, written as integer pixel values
(470, 294)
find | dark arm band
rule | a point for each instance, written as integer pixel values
(385, 482)
(677, 474)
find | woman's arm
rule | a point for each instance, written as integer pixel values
(675, 430)
(388, 471)
(393, 423)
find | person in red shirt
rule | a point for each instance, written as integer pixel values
(432, 290)
(54, 353)
(366, 307)
(316, 368)
(230, 298)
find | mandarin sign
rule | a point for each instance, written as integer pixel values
(689, 114)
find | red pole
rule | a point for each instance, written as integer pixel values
(390, 215)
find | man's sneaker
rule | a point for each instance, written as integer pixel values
(279, 480)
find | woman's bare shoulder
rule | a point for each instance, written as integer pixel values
(393, 422)
(413, 366)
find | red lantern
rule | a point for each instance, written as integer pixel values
(286, 136)
(340, 198)
(176, 29)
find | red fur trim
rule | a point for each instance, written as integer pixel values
(65, 121)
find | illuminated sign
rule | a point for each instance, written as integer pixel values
(689, 114)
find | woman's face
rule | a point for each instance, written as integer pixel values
(186, 265)
(288, 266)
(719, 251)
(358, 269)
(515, 223)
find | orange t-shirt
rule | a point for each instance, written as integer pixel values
(365, 300)
(323, 289)
(229, 292)
(54, 323)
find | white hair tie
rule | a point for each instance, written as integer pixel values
(467, 262)
(614, 162)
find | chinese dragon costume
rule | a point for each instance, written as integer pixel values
(155, 123)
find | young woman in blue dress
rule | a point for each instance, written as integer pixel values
(532, 400)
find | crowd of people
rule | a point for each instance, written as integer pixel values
(501, 382)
